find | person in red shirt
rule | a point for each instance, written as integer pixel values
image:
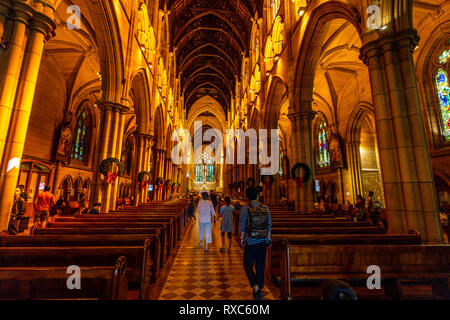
(44, 202)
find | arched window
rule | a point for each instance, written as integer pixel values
(275, 4)
(443, 92)
(278, 36)
(322, 139)
(145, 33)
(80, 147)
(204, 171)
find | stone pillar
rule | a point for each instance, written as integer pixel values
(119, 126)
(109, 144)
(404, 157)
(40, 27)
(5, 7)
(354, 166)
(303, 153)
(12, 61)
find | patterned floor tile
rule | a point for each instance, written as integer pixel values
(212, 275)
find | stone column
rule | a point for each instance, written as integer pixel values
(354, 166)
(404, 157)
(5, 7)
(109, 144)
(12, 61)
(303, 153)
(119, 126)
(40, 27)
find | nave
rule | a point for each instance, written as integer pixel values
(213, 275)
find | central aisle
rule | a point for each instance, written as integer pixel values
(212, 275)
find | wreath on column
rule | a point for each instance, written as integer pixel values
(251, 182)
(111, 168)
(269, 183)
(167, 184)
(300, 179)
(174, 186)
(159, 182)
(144, 178)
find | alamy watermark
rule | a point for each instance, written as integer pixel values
(374, 17)
(234, 140)
(74, 20)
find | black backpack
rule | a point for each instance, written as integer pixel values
(257, 222)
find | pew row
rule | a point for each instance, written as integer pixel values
(26, 283)
(138, 270)
(93, 240)
(348, 262)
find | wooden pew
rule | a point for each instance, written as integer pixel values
(275, 251)
(93, 240)
(327, 230)
(119, 218)
(397, 262)
(106, 283)
(166, 230)
(179, 220)
(303, 224)
(165, 246)
(179, 212)
(139, 264)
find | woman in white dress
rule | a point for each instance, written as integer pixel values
(205, 211)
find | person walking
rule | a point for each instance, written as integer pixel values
(191, 207)
(44, 202)
(205, 212)
(255, 226)
(226, 225)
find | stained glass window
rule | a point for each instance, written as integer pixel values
(79, 148)
(204, 172)
(443, 91)
(324, 155)
(444, 56)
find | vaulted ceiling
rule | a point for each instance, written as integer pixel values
(210, 38)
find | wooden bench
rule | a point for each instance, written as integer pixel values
(139, 264)
(275, 251)
(165, 243)
(397, 262)
(327, 230)
(178, 219)
(165, 226)
(118, 218)
(304, 224)
(106, 283)
(93, 240)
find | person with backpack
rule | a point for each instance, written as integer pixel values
(255, 226)
(374, 208)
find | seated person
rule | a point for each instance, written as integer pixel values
(95, 209)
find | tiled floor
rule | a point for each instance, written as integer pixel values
(212, 275)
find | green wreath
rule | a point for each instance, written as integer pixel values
(141, 178)
(107, 169)
(159, 182)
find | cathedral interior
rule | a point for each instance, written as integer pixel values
(95, 96)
